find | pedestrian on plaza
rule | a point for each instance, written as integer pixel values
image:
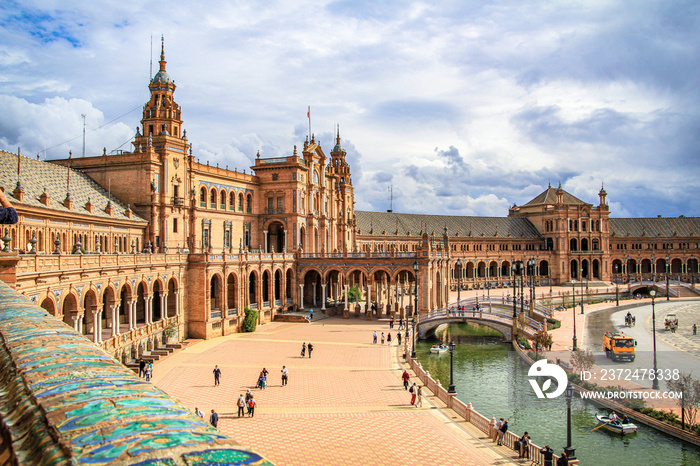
(258, 384)
(240, 403)
(374, 337)
(311, 314)
(382, 338)
(400, 324)
(303, 349)
(391, 323)
(251, 406)
(497, 429)
(198, 412)
(563, 460)
(311, 348)
(525, 446)
(695, 329)
(263, 380)
(405, 377)
(547, 455)
(419, 397)
(248, 396)
(149, 371)
(214, 418)
(398, 338)
(142, 367)
(474, 311)
(414, 392)
(8, 214)
(217, 375)
(388, 339)
(285, 375)
(502, 432)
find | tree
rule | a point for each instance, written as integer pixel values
(690, 401)
(582, 360)
(543, 339)
(251, 320)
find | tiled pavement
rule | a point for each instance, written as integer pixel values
(345, 405)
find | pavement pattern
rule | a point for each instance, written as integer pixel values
(344, 406)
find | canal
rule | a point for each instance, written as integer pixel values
(489, 374)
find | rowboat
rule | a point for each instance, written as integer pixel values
(617, 426)
(438, 349)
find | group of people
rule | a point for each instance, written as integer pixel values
(145, 369)
(387, 338)
(522, 445)
(305, 347)
(246, 402)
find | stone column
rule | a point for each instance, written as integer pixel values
(345, 287)
(323, 297)
(368, 307)
(96, 325)
(177, 304)
(131, 305)
(163, 306)
(301, 297)
(265, 232)
(115, 319)
(81, 322)
(75, 322)
(313, 284)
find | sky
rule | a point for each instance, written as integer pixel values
(457, 107)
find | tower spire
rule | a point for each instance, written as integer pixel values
(162, 53)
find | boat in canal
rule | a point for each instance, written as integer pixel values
(438, 349)
(616, 426)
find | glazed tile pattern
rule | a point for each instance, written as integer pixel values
(64, 401)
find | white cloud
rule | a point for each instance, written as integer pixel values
(525, 94)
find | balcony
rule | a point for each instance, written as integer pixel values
(176, 200)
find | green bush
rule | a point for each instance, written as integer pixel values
(251, 320)
(553, 323)
(354, 294)
(522, 341)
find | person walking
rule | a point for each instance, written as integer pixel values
(303, 349)
(374, 337)
(248, 396)
(405, 377)
(251, 406)
(695, 329)
(388, 339)
(149, 372)
(198, 412)
(525, 446)
(263, 377)
(391, 323)
(414, 392)
(217, 375)
(398, 338)
(419, 397)
(142, 367)
(311, 348)
(382, 338)
(214, 418)
(241, 404)
(285, 375)
(311, 314)
(400, 324)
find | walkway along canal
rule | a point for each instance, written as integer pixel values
(493, 378)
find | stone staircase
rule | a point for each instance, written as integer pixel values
(157, 354)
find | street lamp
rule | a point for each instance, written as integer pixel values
(668, 294)
(514, 271)
(573, 309)
(531, 265)
(451, 388)
(458, 265)
(692, 273)
(628, 268)
(522, 293)
(413, 349)
(568, 449)
(617, 291)
(581, 290)
(655, 381)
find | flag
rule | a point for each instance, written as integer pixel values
(308, 112)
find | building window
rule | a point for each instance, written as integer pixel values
(280, 203)
(249, 204)
(174, 225)
(240, 202)
(212, 199)
(270, 202)
(203, 197)
(232, 201)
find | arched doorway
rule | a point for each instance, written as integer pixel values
(276, 238)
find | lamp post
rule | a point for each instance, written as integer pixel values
(458, 265)
(573, 313)
(617, 291)
(581, 290)
(655, 381)
(451, 388)
(413, 348)
(668, 294)
(692, 273)
(522, 293)
(568, 449)
(514, 271)
(628, 268)
(531, 265)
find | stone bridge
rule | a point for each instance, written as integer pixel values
(65, 401)
(498, 317)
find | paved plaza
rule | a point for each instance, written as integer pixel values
(344, 405)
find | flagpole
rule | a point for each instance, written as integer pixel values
(308, 115)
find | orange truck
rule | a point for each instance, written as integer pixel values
(618, 346)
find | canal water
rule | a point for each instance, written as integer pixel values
(489, 374)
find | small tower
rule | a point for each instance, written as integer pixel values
(602, 195)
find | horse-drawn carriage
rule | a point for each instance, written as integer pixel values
(630, 320)
(671, 323)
